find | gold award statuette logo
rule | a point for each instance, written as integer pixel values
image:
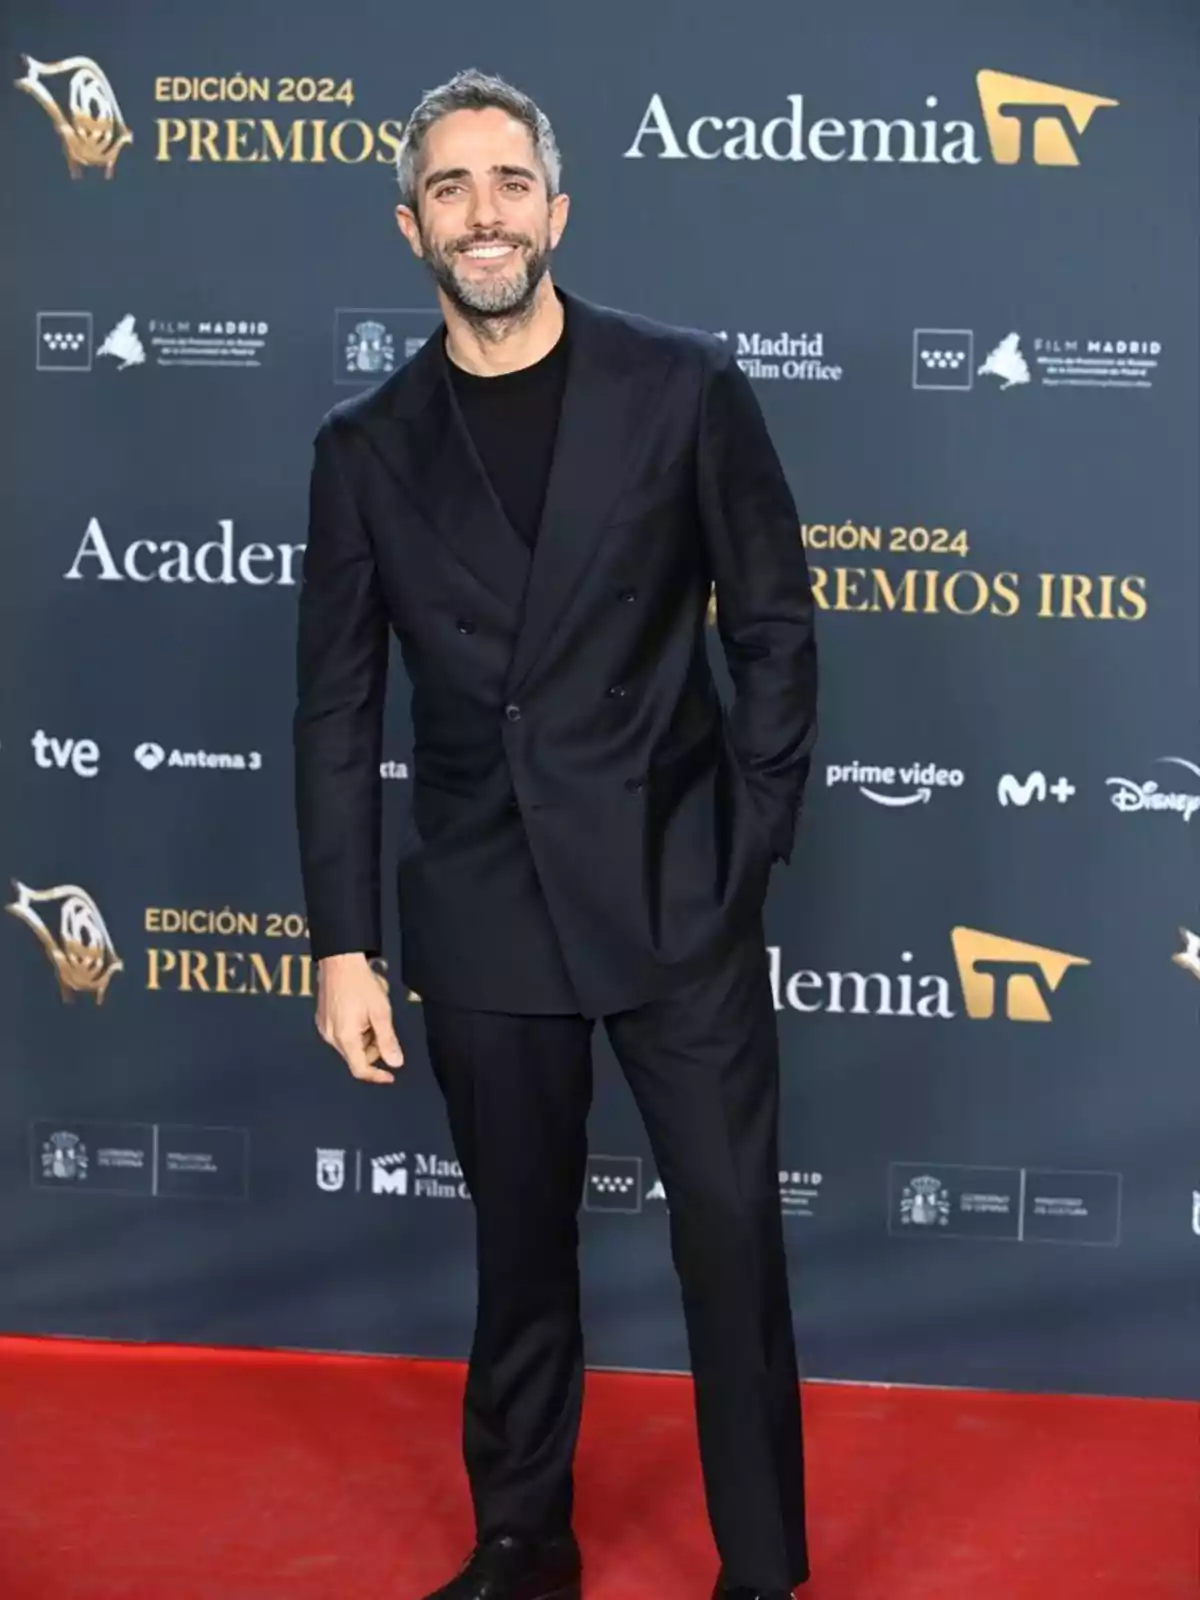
(83, 955)
(1023, 116)
(1026, 974)
(92, 129)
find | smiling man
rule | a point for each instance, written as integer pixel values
(538, 506)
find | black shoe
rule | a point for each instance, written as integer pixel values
(512, 1568)
(739, 1591)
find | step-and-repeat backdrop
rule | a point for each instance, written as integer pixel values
(955, 250)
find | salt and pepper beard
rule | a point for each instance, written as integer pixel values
(490, 306)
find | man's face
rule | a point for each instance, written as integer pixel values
(484, 225)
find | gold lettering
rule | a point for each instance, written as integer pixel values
(205, 133)
(171, 130)
(225, 959)
(158, 962)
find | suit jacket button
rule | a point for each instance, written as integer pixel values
(466, 624)
(513, 713)
(635, 784)
(627, 595)
(510, 805)
(615, 691)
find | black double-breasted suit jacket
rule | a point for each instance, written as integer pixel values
(591, 823)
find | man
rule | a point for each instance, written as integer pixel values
(538, 505)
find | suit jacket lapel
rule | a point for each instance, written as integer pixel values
(418, 431)
(606, 403)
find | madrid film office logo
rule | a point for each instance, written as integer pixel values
(1025, 121)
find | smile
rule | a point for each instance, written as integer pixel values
(489, 252)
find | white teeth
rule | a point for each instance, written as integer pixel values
(489, 251)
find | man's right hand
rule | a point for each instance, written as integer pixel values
(354, 1015)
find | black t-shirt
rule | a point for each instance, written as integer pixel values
(513, 420)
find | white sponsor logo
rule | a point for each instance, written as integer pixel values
(124, 345)
(65, 1157)
(1189, 957)
(613, 1183)
(925, 1203)
(1196, 1212)
(389, 1174)
(331, 1170)
(862, 994)
(894, 786)
(1014, 791)
(1007, 363)
(65, 342)
(217, 561)
(80, 756)
(792, 357)
(1129, 796)
(791, 137)
(151, 756)
(944, 358)
(370, 344)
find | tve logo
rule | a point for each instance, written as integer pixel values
(80, 756)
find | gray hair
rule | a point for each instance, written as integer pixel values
(472, 90)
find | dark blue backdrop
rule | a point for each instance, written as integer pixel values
(956, 248)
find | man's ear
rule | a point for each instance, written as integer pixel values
(406, 221)
(560, 208)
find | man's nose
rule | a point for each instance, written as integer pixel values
(484, 213)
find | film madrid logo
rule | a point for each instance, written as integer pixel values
(1025, 121)
(66, 342)
(944, 359)
(997, 978)
(83, 109)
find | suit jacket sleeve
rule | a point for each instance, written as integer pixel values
(764, 598)
(337, 730)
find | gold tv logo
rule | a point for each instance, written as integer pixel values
(1023, 976)
(91, 127)
(82, 954)
(1024, 117)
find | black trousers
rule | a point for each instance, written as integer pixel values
(703, 1067)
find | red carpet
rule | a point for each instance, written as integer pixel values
(162, 1473)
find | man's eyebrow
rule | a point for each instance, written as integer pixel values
(444, 174)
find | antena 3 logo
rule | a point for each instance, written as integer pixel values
(1024, 121)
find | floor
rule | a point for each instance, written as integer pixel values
(145, 1472)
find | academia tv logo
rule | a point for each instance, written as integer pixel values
(1027, 119)
(997, 978)
(1005, 977)
(1025, 122)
